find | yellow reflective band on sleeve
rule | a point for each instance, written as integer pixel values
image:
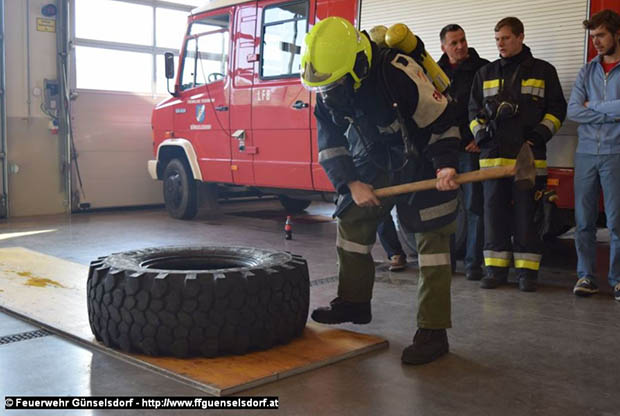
(556, 122)
(490, 261)
(533, 82)
(476, 125)
(492, 83)
(500, 161)
(526, 264)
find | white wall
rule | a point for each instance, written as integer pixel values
(36, 189)
(112, 134)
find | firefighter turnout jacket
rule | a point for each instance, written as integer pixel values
(395, 104)
(395, 108)
(514, 100)
(534, 109)
(461, 79)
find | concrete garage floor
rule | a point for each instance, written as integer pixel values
(512, 353)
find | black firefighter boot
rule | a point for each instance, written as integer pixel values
(340, 311)
(428, 345)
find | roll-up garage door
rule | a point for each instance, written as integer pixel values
(553, 30)
(118, 77)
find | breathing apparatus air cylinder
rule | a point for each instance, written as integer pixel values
(399, 36)
(377, 35)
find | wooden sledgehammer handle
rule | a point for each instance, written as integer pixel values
(474, 176)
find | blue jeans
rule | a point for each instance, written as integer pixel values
(473, 200)
(593, 172)
(389, 238)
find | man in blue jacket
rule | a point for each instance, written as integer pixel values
(595, 105)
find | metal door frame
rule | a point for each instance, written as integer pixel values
(4, 197)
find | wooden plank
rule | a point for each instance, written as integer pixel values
(52, 293)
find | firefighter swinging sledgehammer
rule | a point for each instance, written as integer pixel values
(382, 122)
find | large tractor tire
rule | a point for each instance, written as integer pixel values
(197, 301)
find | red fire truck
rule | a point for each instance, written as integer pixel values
(238, 114)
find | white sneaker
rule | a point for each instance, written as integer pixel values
(398, 262)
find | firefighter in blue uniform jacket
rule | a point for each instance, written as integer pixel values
(514, 100)
(400, 130)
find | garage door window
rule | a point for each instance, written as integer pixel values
(133, 23)
(171, 25)
(118, 43)
(99, 69)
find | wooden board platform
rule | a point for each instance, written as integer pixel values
(52, 293)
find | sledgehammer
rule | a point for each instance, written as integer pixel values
(524, 172)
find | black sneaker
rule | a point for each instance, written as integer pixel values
(428, 345)
(340, 311)
(475, 274)
(585, 287)
(527, 285)
(617, 292)
(491, 282)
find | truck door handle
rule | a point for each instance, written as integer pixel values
(221, 108)
(299, 105)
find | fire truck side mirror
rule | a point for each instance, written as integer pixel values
(169, 57)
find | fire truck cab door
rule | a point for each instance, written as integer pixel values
(281, 105)
(203, 116)
(244, 58)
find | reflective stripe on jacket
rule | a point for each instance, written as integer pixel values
(346, 157)
(461, 79)
(535, 89)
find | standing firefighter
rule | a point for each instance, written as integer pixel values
(514, 100)
(401, 132)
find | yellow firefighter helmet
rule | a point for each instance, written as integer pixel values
(333, 49)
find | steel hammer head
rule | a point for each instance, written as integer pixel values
(525, 168)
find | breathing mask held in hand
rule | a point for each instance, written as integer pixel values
(497, 109)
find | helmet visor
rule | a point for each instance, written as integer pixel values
(316, 81)
(323, 89)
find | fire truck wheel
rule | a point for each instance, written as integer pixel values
(292, 205)
(180, 190)
(197, 301)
